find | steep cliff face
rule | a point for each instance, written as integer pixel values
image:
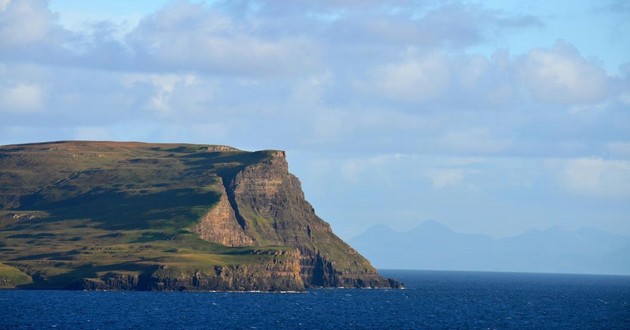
(269, 204)
(220, 224)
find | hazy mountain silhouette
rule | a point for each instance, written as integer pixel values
(432, 245)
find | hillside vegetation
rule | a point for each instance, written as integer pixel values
(107, 215)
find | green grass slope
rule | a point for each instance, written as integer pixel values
(71, 211)
(11, 277)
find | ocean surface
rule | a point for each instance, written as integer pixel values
(431, 300)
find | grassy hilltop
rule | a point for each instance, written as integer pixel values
(108, 215)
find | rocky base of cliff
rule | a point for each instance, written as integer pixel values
(224, 279)
(231, 278)
(275, 271)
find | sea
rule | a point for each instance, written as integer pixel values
(430, 300)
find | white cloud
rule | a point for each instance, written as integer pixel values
(328, 126)
(210, 132)
(98, 133)
(310, 91)
(4, 4)
(182, 36)
(24, 22)
(412, 172)
(562, 75)
(446, 177)
(541, 78)
(597, 176)
(446, 172)
(414, 79)
(186, 36)
(587, 111)
(29, 32)
(22, 98)
(474, 140)
(473, 70)
(355, 170)
(164, 88)
(351, 170)
(619, 148)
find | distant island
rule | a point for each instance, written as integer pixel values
(433, 246)
(139, 216)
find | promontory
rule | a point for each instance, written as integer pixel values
(144, 216)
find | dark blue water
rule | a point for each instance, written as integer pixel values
(432, 300)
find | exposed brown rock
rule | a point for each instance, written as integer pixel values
(282, 273)
(269, 203)
(221, 148)
(220, 225)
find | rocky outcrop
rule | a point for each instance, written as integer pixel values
(281, 273)
(220, 224)
(220, 148)
(269, 205)
(319, 271)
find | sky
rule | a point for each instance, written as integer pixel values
(489, 117)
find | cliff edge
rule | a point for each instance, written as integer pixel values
(138, 216)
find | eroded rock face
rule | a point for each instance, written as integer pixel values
(269, 204)
(220, 225)
(282, 273)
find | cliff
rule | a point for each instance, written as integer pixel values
(280, 273)
(272, 210)
(136, 216)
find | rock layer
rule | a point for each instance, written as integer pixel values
(273, 211)
(282, 273)
(220, 225)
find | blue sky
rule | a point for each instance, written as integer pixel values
(487, 116)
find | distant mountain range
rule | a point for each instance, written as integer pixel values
(432, 245)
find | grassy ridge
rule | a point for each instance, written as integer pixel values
(11, 277)
(73, 210)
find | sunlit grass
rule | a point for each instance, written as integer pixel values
(82, 210)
